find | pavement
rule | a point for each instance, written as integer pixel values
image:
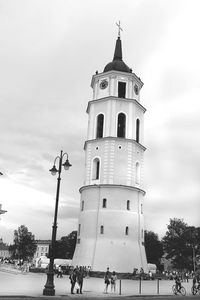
(14, 283)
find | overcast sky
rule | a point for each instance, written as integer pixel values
(49, 51)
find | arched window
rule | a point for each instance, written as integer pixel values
(126, 230)
(121, 125)
(137, 130)
(141, 209)
(102, 229)
(96, 169)
(82, 205)
(137, 176)
(128, 204)
(100, 122)
(104, 203)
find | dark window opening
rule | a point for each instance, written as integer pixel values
(102, 229)
(137, 130)
(121, 125)
(104, 203)
(100, 121)
(126, 231)
(128, 204)
(82, 205)
(121, 89)
(96, 169)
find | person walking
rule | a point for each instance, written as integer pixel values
(60, 272)
(113, 280)
(106, 281)
(72, 278)
(80, 276)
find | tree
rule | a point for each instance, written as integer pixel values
(66, 246)
(180, 242)
(153, 247)
(24, 245)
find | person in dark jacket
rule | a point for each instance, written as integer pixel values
(73, 277)
(80, 276)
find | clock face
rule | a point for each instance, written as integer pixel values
(136, 89)
(103, 84)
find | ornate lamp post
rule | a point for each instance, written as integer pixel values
(49, 289)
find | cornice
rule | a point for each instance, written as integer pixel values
(114, 98)
(110, 186)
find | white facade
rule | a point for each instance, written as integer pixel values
(111, 224)
(42, 248)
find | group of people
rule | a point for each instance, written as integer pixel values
(76, 278)
(110, 279)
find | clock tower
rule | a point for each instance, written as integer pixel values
(111, 219)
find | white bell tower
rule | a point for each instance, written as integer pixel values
(111, 219)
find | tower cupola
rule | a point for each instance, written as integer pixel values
(117, 63)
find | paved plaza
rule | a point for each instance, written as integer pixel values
(15, 283)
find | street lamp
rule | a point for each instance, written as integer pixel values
(49, 286)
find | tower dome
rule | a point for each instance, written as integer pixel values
(117, 64)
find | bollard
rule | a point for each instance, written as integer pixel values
(158, 286)
(120, 287)
(140, 286)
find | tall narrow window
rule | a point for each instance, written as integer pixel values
(102, 229)
(126, 230)
(137, 177)
(79, 229)
(96, 169)
(141, 209)
(100, 122)
(121, 125)
(121, 89)
(137, 130)
(104, 203)
(82, 205)
(128, 204)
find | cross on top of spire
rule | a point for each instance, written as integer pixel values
(119, 28)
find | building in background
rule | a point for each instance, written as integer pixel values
(4, 250)
(111, 219)
(42, 248)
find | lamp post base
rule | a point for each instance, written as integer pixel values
(49, 289)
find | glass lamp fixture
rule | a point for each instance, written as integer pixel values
(53, 170)
(67, 164)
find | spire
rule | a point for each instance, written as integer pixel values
(117, 63)
(118, 50)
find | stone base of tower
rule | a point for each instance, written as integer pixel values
(111, 232)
